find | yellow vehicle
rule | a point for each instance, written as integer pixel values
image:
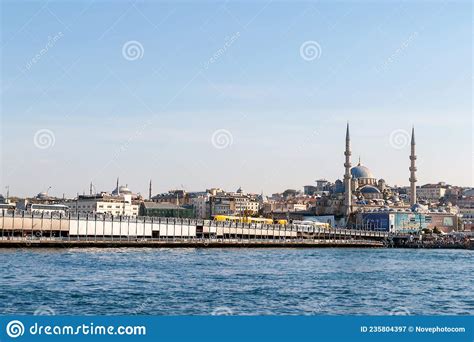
(242, 219)
(282, 222)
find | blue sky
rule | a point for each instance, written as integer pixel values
(238, 68)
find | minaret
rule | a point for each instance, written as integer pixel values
(118, 190)
(347, 176)
(149, 191)
(412, 169)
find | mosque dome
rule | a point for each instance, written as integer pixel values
(361, 171)
(369, 189)
(42, 195)
(123, 190)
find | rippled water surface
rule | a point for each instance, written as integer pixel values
(237, 281)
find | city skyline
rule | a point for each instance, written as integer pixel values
(250, 95)
(398, 139)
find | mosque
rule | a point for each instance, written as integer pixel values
(363, 184)
(361, 190)
(360, 182)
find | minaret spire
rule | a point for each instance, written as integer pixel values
(347, 176)
(149, 191)
(412, 169)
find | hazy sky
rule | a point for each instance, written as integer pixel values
(227, 94)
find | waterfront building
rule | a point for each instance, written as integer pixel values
(284, 207)
(202, 207)
(234, 203)
(161, 209)
(465, 202)
(121, 202)
(430, 192)
(310, 190)
(214, 201)
(222, 205)
(247, 203)
(178, 197)
(103, 203)
(40, 207)
(215, 191)
(410, 220)
(42, 203)
(290, 193)
(323, 187)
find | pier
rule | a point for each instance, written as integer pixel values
(22, 229)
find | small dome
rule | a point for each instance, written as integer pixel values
(360, 171)
(369, 189)
(418, 208)
(42, 195)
